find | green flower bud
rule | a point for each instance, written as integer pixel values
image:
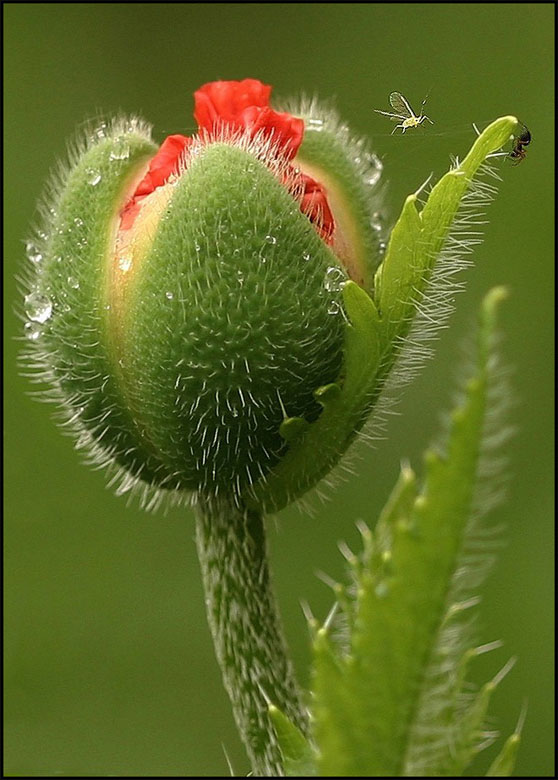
(186, 313)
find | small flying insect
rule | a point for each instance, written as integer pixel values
(403, 113)
(519, 143)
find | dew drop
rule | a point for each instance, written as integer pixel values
(73, 282)
(32, 331)
(374, 169)
(271, 239)
(315, 124)
(169, 295)
(120, 150)
(93, 176)
(100, 131)
(78, 222)
(38, 307)
(124, 263)
(334, 279)
(306, 256)
(377, 222)
(33, 253)
(333, 308)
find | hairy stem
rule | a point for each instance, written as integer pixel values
(246, 629)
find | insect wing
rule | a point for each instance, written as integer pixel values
(400, 105)
(393, 117)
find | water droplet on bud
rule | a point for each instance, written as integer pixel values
(375, 168)
(120, 150)
(315, 124)
(38, 307)
(93, 176)
(100, 131)
(334, 279)
(33, 253)
(32, 331)
(333, 308)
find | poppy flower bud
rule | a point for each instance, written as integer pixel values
(187, 301)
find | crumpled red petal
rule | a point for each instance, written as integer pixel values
(226, 100)
(240, 106)
(283, 129)
(244, 105)
(165, 162)
(314, 204)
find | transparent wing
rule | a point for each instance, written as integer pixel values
(393, 117)
(400, 105)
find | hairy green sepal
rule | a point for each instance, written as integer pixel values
(375, 331)
(337, 163)
(224, 325)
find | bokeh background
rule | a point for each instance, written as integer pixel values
(109, 664)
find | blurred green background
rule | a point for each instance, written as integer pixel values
(110, 668)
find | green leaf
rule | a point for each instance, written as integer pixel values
(391, 703)
(375, 332)
(418, 237)
(298, 756)
(503, 764)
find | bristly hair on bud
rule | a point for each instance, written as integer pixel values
(275, 254)
(433, 304)
(204, 312)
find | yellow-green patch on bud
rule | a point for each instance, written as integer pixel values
(179, 346)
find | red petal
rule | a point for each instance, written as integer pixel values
(129, 214)
(165, 162)
(314, 204)
(243, 105)
(285, 130)
(226, 100)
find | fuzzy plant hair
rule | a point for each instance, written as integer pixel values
(219, 320)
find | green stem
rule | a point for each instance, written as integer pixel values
(246, 629)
